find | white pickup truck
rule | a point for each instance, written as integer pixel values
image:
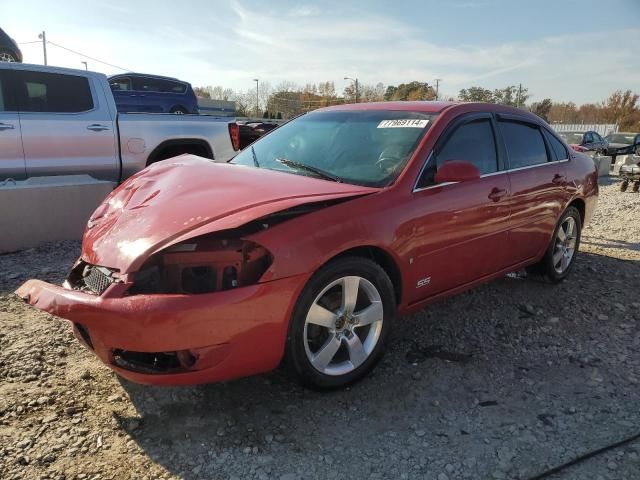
(58, 121)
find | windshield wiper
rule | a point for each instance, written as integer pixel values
(309, 168)
(255, 158)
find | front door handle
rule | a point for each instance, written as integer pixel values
(558, 179)
(6, 126)
(96, 127)
(497, 194)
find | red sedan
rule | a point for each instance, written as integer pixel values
(307, 245)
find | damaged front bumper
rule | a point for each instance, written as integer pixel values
(178, 339)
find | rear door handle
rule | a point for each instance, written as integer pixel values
(96, 127)
(6, 126)
(497, 193)
(558, 179)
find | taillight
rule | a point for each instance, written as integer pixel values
(234, 133)
(578, 148)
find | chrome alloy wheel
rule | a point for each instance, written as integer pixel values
(564, 245)
(6, 57)
(343, 325)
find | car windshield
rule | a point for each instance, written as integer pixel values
(621, 138)
(367, 148)
(572, 137)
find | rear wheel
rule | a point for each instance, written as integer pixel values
(636, 187)
(6, 56)
(624, 185)
(561, 253)
(178, 110)
(340, 324)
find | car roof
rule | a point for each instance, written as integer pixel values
(134, 74)
(414, 106)
(32, 67)
(436, 107)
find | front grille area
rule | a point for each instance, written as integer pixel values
(96, 280)
(91, 278)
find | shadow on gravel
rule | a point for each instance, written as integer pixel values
(522, 391)
(609, 243)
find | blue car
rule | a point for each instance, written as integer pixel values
(136, 92)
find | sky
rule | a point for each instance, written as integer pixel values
(566, 50)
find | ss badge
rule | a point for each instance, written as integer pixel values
(423, 282)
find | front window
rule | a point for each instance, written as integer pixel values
(367, 148)
(572, 138)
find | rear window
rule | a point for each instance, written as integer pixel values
(120, 84)
(55, 93)
(150, 84)
(558, 148)
(524, 142)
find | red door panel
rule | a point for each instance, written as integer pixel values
(537, 199)
(459, 234)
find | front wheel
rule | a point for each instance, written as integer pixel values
(561, 253)
(178, 110)
(340, 324)
(624, 185)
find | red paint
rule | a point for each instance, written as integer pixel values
(458, 234)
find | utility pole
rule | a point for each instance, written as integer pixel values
(519, 95)
(438, 80)
(43, 37)
(85, 65)
(257, 99)
(355, 80)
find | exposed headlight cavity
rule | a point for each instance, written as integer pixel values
(202, 265)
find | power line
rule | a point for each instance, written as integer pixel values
(26, 43)
(87, 56)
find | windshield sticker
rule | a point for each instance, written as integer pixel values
(403, 123)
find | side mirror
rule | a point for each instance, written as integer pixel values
(457, 171)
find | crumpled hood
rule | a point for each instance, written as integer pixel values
(169, 200)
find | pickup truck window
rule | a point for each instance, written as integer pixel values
(54, 93)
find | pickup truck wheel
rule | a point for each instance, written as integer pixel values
(178, 110)
(6, 56)
(340, 324)
(623, 186)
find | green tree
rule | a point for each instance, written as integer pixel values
(542, 108)
(476, 94)
(410, 91)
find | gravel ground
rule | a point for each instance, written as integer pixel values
(504, 381)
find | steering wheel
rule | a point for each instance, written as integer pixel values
(388, 161)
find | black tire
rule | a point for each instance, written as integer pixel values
(297, 361)
(546, 266)
(178, 110)
(624, 185)
(636, 187)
